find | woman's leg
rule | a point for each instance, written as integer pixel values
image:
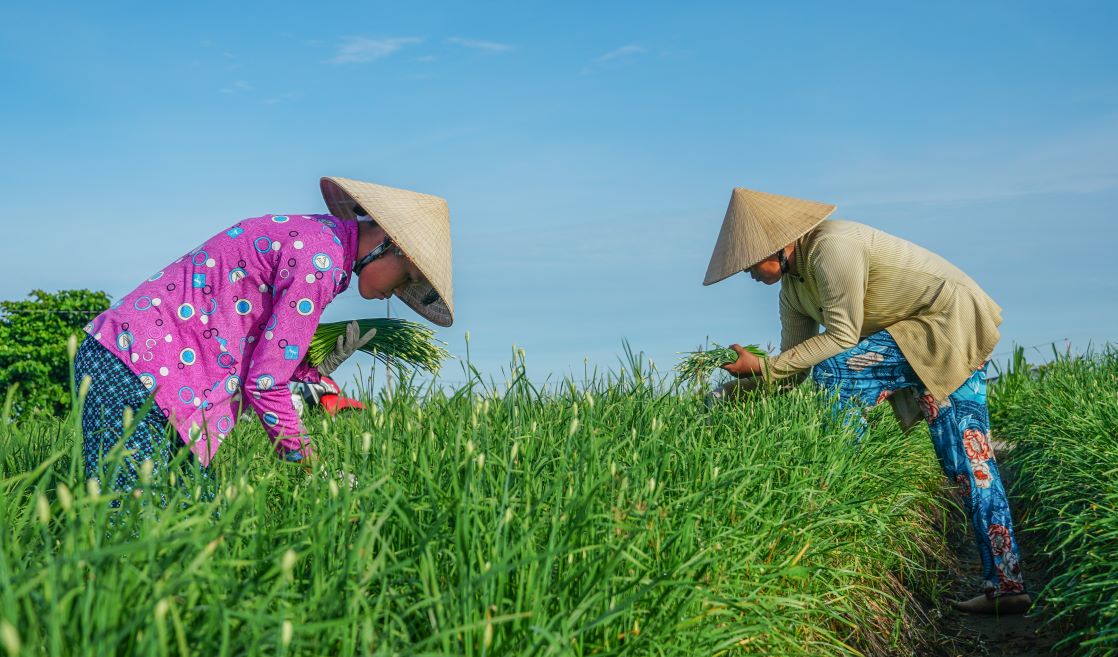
(868, 374)
(864, 375)
(960, 429)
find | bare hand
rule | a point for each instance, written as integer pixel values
(746, 365)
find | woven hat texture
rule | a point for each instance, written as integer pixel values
(419, 224)
(756, 226)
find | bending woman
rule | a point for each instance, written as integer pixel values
(228, 324)
(900, 323)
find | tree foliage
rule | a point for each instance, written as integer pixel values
(33, 336)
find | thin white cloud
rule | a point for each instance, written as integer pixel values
(237, 87)
(621, 53)
(283, 98)
(360, 49)
(488, 46)
(1079, 160)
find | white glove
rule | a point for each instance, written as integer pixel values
(348, 344)
(343, 477)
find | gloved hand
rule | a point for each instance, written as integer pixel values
(343, 477)
(348, 343)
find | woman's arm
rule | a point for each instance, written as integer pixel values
(841, 270)
(297, 303)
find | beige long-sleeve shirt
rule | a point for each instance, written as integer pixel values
(855, 280)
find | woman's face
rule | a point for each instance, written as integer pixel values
(388, 274)
(767, 271)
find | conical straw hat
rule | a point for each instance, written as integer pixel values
(419, 224)
(756, 226)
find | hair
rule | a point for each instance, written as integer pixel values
(362, 215)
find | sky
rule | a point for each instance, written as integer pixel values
(587, 150)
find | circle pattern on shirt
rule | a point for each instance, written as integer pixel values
(186, 311)
(304, 306)
(124, 340)
(243, 306)
(265, 382)
(188, 356)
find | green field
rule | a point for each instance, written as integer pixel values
(610, 517)
(1062, 423)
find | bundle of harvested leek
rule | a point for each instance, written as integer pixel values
(697, 366)
(397, 341)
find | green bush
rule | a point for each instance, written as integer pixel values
(33, 336)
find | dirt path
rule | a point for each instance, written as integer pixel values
(1007, 636)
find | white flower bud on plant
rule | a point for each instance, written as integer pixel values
(287, 564)
(10, 638)
(65, 498)
(42, 509)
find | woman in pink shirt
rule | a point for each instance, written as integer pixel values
(228, 324)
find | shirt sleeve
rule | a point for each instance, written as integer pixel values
(297, 302)
(795, 328)
(840, 268)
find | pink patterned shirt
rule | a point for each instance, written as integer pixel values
(230, 322)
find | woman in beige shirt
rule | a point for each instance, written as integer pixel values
(900, 323)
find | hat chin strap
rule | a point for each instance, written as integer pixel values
(785, 266)
(783, 260)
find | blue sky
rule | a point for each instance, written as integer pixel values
(587, 150)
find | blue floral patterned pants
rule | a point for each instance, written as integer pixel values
(874, 369)
(112, 388)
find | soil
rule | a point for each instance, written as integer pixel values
(972, 635)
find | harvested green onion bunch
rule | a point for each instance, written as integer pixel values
(397, 341)
(697, 366)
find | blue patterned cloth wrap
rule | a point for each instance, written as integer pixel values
(112, 388)
(871, 372)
